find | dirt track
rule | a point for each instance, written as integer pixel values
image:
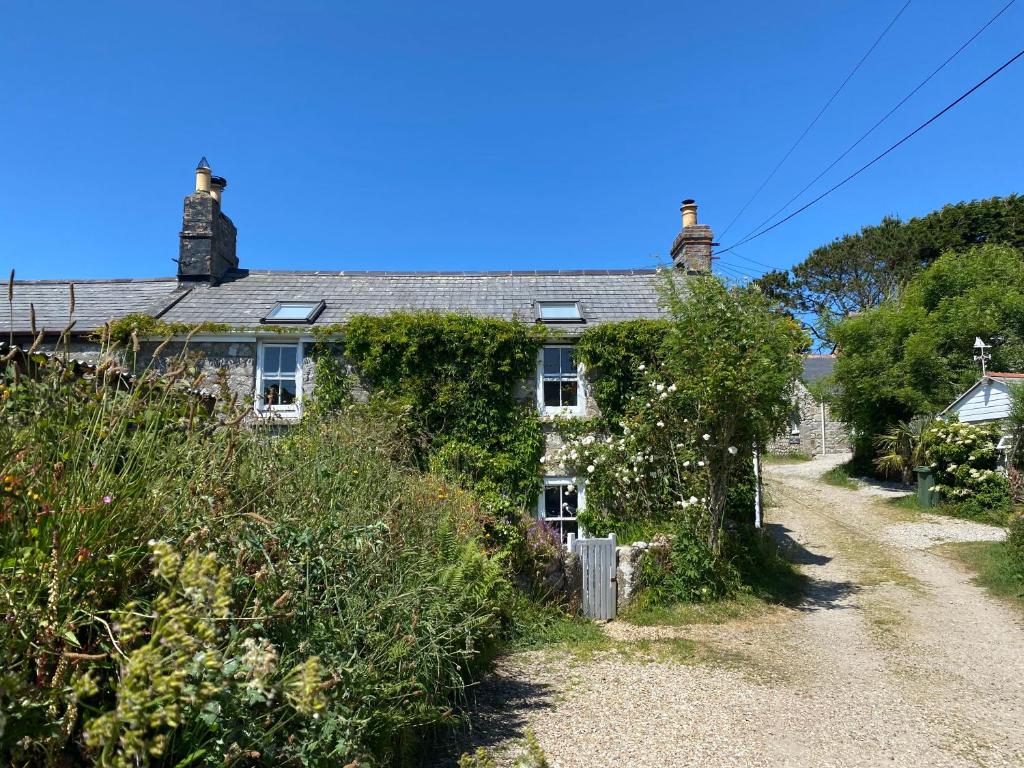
(894, 658)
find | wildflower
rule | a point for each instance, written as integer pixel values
(590, 468)
(686, 463)
(641, 367)
(693, 499)
(672, 388)
(706, 436)
(107, 499)
(661, 423)
(732, 450)
(700, 463)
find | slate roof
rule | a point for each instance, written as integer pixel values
(817, 367)
(96, 301)
(246, 296)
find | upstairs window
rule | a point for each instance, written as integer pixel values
(559, 381)
(559, 505)
(279, 378)
(559, 312)
(294, 312)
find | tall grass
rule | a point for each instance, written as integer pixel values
(180, 589)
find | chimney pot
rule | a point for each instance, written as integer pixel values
(689, 211)
(203, 176)
(217, 185)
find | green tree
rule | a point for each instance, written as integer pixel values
(856, 272)
(734, 358)
(913, 354)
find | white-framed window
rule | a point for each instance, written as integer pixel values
(279, 378)
(559, 381)
(559, 312)
(559, 504)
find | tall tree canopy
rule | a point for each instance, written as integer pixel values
(856, 272)
(913, 354)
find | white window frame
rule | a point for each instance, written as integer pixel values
(580, 408)
(581, 499)
(287, 411)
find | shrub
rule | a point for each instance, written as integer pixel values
(964, 458)
(309, 598)
(688, 572)
(1015, 541)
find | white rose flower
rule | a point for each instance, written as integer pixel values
(590, 468)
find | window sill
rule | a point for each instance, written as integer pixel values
(283, 415)
(553, 414)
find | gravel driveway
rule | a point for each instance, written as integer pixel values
(894, 658)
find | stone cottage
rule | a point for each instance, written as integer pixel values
(262, 321)
(812, 429)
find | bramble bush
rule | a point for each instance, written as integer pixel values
(965, 459)
(180, 589)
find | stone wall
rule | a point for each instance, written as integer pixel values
(804, 433)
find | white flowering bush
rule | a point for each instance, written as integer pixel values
(653, 467)
(964, 458)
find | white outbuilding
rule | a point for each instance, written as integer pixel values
(988, 400)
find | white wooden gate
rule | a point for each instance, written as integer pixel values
(597, 558)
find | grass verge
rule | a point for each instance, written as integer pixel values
(996, 568)
(786, 458)
(840, 477)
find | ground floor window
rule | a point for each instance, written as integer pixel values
(279, 378)
(559, 504)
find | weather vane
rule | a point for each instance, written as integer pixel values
(982, 356)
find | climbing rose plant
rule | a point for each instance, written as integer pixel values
(721, 387)
(654, 468)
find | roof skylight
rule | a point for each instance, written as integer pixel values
(294, 312)
(559, 312)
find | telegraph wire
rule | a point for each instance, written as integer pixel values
(879, 156)
(816, 117)
(886, 116)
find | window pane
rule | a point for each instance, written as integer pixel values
(570, 502)
(271, 391)
(559, 310)
(295, 311)
(271, 359)
(278, 391)
(551, 394)
(287, 392)
(568, 366)
(551, 501)
(552, 359)
(569, 526)
(568, 391)
(288, 355)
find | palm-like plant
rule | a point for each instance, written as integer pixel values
(903, 447)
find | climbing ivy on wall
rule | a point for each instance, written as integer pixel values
(616, 356)
(454, 380)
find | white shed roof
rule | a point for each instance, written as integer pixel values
(987, 400)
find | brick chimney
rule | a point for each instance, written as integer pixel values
(691, 250)
(207, 240)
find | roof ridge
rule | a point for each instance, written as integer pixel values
(97, 280)
(443, 273)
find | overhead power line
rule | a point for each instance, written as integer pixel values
(886, 116)
(817, 117)
(878, 157)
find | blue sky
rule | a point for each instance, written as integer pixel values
(469, 135)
